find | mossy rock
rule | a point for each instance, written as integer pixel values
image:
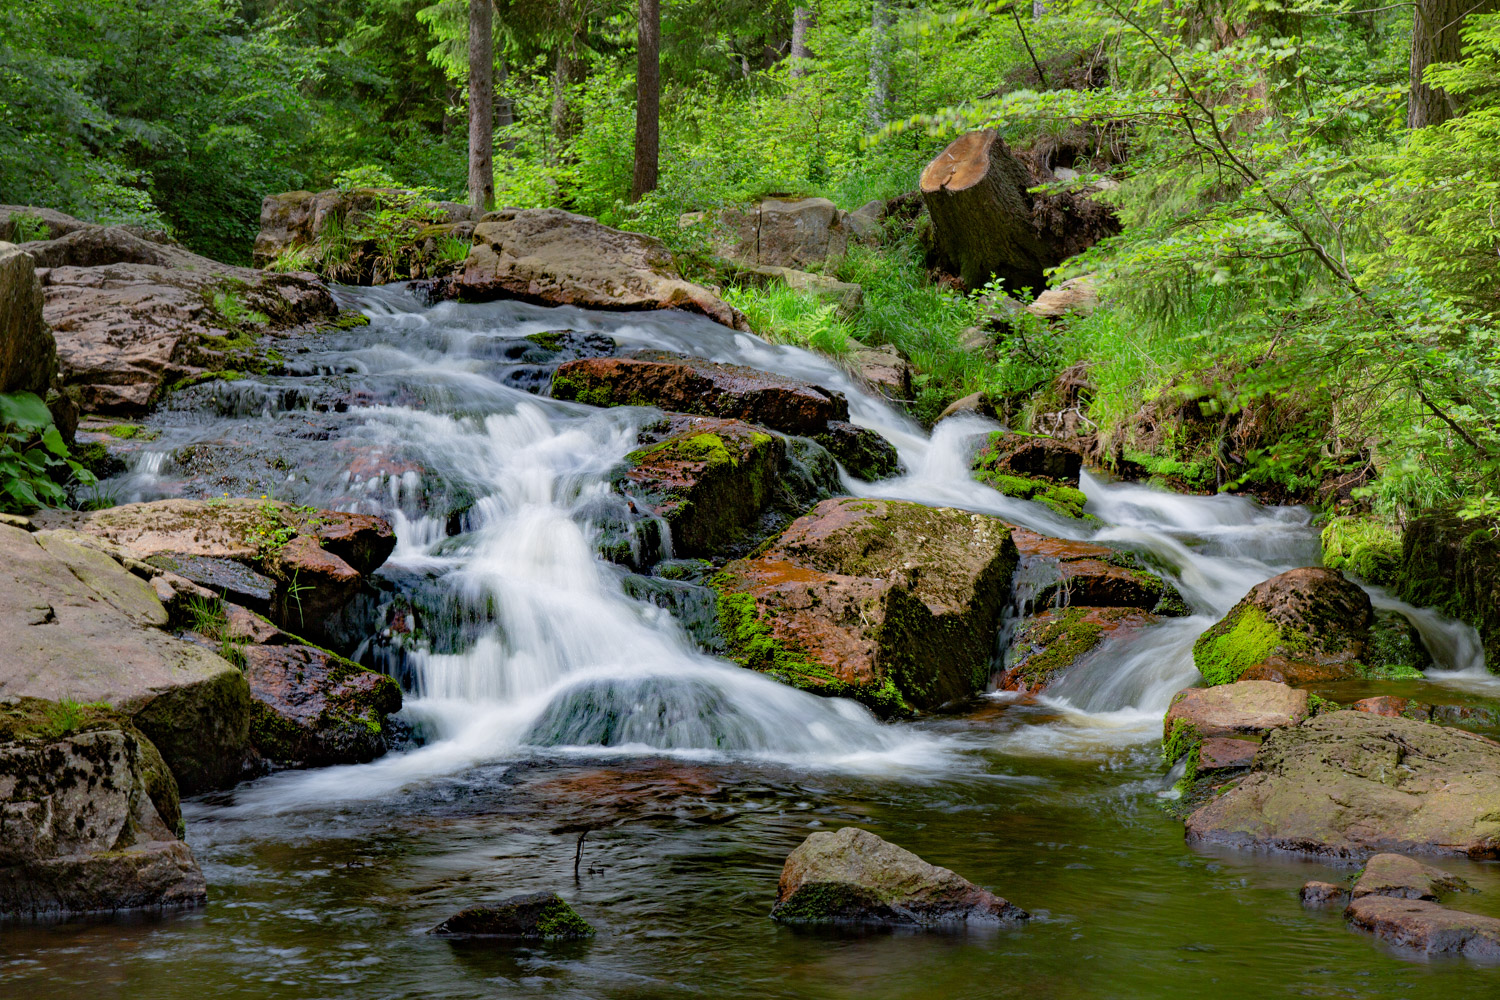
(543, 916)
(1061, 499)
(1363, 546)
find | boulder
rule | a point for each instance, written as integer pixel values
(1032, 468)
(1059, 573)
(851, 876)
(534, 916)
(23, 223)
(1226, 753)
(28, 354)
(710, 480)
(1348, 783)
(891, 603)
(242, 546)
(314, 708)
(692, 385)
(1401, 877)
(1045, 644)
(1304, 626)
(1240, 709)
(798, 233)
(132, 317)
(553, 257)
(883, 370)
(1323, 894)
(1449, 562)
(80, 626)
(1076, 296)
(978, 403)
(1426, 928)
(89, 818)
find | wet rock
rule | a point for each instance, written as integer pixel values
(533, 916)
(978, 403)
(1449, 563)
(1426, 928)
(1401, 877)
(1244, 708)
(851, 876)
(1032, 468)
(90, 816)
(863, 452)
(1318, 895)
(1348, 783)
(1390, 706)
(1050, 642)
(1394, 646)
(892, 603)
(314, 709)
(364, 541)
(797, 233)
(883, 370)
(79, 625)
(1064, 573)
(693, 605)
(1222, 753)
(28, 354)
(1304, 626)
(554, 257)
(132, 316)
(691, 385)
(710, 480)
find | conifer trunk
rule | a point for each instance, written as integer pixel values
(647, 100)
(975, 192)
(1436, 38)
(880, 62)
(802, 22)
(481, 106)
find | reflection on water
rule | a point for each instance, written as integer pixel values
(554, 704)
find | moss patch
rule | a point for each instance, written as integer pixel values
(1065, 500)
(1232, 646)
(1057, 643)
(1362, 546)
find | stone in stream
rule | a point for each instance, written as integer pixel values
(1032, 468)
(883, 370)
(1426, 928)
(892, 603)
(1064, 573)
(1317, 895)
(132, 315)
(1304, 626)
(1405, 878)
(851, 876)
(537, 916)
(1350, 783)
(1244, 708)
(1045, 644)
(553, 257)
(79, 625)
(692, 385)
(91, 821)
(1449, 562)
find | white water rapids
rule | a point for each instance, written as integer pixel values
(555, 655)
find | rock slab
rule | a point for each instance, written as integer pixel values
(851, 876)
(532, 916)
(28, 354)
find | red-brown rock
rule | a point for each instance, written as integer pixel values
(1390, 706)
(1050, 642)
(314, 708)
(1072, 573)
(1323, 894)
(1246, 708)
(1426, 927)
(1222, 753)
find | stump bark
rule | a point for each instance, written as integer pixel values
(975, 191)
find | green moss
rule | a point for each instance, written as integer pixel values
(350, 320)
(1363, 546)
(825, 902)
(1065, 500)
(1057, 643)
(227, 375)
(1318, 705)
(36, 719)
(550, 341)
(583, 390)
(128, 431)
(1183, 743)
(1230, 647)
(559, 921)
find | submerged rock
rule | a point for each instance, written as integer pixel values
(1348, 783)
(892, 603)
(532, 916)
(710, 480)
(851, 876)
(1323, 894)
(553, 257)
(90, 815)
(1050, 642)
(1425, 927)
(1304, 626)
(80, 625)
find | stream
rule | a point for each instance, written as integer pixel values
(548, 702)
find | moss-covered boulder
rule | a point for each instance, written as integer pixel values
(1453, 564)
(90, 815)
(536, 916)
(851, 876)
(1303, 626)
(1349, 784)
(891, 603)
(710, 480)
(1035, 468)
(1362, 546)
(1046, 644)
(80, 625)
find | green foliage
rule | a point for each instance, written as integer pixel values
(35, 466)
(26, 227)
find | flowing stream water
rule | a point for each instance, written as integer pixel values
(549, 702)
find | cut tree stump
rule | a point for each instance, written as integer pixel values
(975, 191)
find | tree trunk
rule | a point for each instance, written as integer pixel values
(647, 100)
(505, 108)
(481, 106)
(1435, 39)
(880, 61)
(570, 69)
(802, 21)
(975, 192)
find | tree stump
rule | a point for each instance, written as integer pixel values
(975, 191)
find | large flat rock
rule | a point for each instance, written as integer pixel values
(1350, 784)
